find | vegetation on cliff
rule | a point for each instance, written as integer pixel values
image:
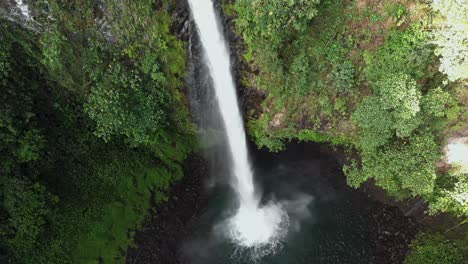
(386, 81)
(381, 79)
(435, 248)
(94, 127)
(89, 129)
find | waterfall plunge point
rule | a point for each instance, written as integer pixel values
(256, 227)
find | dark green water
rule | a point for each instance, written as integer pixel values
(337, 224)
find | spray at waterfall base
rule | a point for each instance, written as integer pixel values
(258, 231)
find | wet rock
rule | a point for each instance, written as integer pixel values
(181, 20)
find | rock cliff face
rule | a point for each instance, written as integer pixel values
(21, 13)
(15, 9)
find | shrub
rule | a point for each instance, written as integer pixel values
(451, 37)
(404, 171)
(126, 103)
(451, 195)
(405, 52)
(437, 102)
(273, 20)
(434, 248)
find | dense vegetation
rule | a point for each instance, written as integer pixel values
(89, 132)
(94, 128)
(435, 249)
(364, 76)
(385, 80)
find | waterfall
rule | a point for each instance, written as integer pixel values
(23, 8)
(253, 226)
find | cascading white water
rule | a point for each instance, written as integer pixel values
(23, 8)
(253, 226)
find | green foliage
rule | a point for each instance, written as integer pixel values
(398, 159)
(228, 7)
(21, 141)
(451, 37)
(375, 123)
(451, 195)
(67, 195)
(274, 140)
(305, 73)
(437, 102)
(110, 232)
(403, 170)
(298, 79)
(123, 102)
(54, 44)
(363, 75)
(273, 21)
(393, 110)
(340, 106)
(313, 136)
(4, 60)
(137, 100)
(263, 137)
(27, 205)
(269, 26)
(343, 76)
(400, 96)
(373, 16)
(396, 10)
(405, 52)
(61, 59)
(24, 203)
(434, 248)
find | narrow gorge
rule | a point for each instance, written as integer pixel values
(233, 131)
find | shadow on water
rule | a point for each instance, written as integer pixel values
(330, 222)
